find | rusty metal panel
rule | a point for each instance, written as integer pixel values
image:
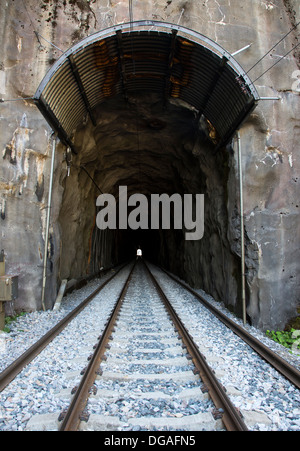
(145, 56)
(8, 288)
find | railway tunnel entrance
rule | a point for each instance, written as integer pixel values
(153, 107)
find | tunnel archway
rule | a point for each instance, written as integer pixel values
(147, 56)
(149, 105)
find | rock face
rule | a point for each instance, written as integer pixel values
(151, 148)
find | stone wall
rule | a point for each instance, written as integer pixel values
(270, 155)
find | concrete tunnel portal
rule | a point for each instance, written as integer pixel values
(153, 107)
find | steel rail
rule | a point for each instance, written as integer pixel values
(7, 375)
(72, 416)
(230, 416)
(282, 366)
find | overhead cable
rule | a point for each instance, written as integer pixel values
(130, 14)
(292, 29)
(30, 19)
(87, 173)
(276, 62)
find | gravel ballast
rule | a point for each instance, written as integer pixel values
(266, 400)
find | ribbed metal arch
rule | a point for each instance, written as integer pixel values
(147, 56)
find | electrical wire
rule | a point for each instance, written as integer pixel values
(276, 62)
(30, 19)
(130, 14)
(87, 173)
(274, 46)
(137, 114)
(37, 34)
(49, 42)
(239, 79)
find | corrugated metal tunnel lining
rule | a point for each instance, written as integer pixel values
(147, 56)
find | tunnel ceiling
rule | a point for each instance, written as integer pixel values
(171, 61)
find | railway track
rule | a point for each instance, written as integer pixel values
(145, 352)
(281, 365)
(147, 341)
(20, 363)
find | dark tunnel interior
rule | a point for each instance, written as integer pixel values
(126, 243)
(151, 148)
(149, 109)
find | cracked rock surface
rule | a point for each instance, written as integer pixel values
(165, 155)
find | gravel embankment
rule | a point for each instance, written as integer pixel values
(265, 398)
